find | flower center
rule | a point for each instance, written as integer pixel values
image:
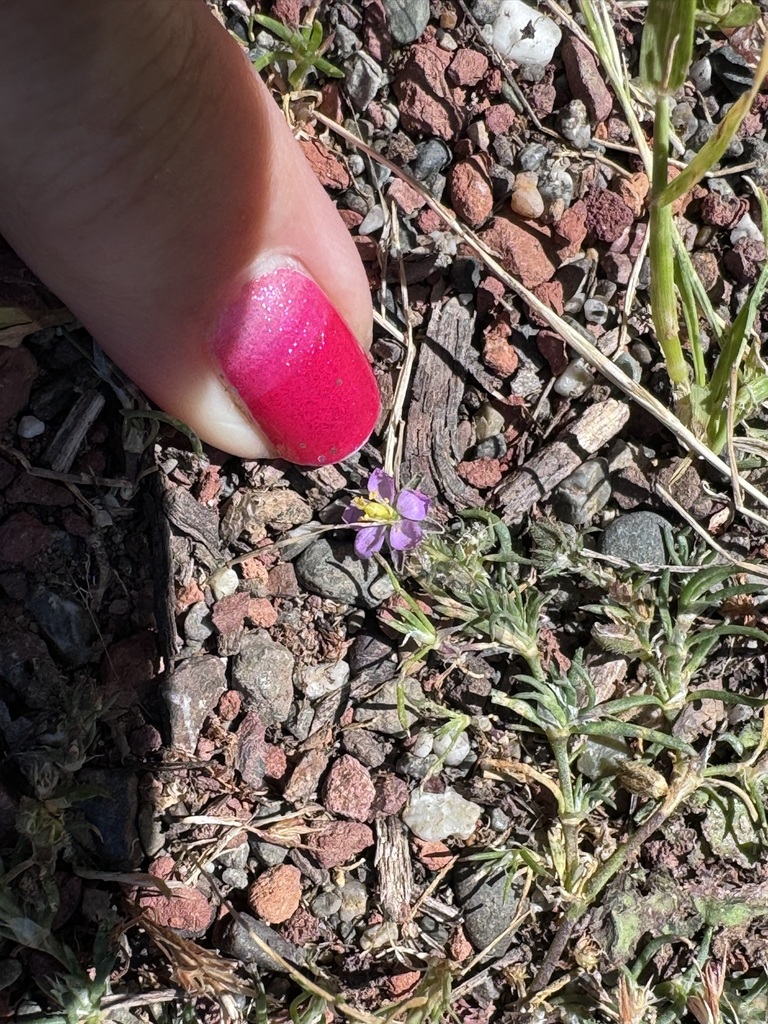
(376, 510)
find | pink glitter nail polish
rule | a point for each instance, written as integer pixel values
(297, 368)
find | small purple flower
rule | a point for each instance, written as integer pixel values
(387, 514)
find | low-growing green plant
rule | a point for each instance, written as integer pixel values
(302, 50)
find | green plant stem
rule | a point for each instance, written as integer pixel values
(662, 255)
(682, 788)
(568, 817)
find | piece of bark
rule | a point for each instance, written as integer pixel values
(63, 449)
(584, 436)
(393, 863)
(438, 388)
(169, 641)
(192, 519)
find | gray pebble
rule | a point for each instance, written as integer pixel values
(532, 156)
(637, 538)
(325, 905)
(432, 156)
(373, 221)
(582, 494)
(332, 570)
(575, 380)
(235, 878)
(407, 18)
(573, 124)
(190, 694)
(701, 74)
(65, 623)
(380, 713)
(354, 900)
(363, 745)
(198, 626)
(269, 854)
(113, 816)
(363, 79)
(237, 941)
(263, 671)
(488, 904)
(629, 365)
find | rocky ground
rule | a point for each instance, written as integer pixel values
(203, 753)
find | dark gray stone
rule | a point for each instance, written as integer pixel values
(65, 623)
(190, 695)
(26, 666)
(432, 157)
(407, 18)
(488, 902)
(263, 670)
(333, 570)
(238, 941)
(363, 79)
(113, 813)
(582, 494)
(637, 538)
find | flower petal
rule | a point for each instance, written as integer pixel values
(404, 535)
(413, 504)
(383, 484)
(369, 540)
(351, 514)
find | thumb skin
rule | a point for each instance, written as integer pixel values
(150, 180)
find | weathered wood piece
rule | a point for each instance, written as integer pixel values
(534, 481)
(431, 451)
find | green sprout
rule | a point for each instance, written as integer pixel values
(302, 51)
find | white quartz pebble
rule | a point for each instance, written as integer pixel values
(524, 34)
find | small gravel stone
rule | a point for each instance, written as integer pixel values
(521, 252)
(700, 74)
(573, 124)
(66, 624)
(348, 789)
(224, 583)
(585, 80)
(317, 681)
(524, 34)
(575, 380)
(428, 102)
(391, 795)
(187, 910)
(455, 751)
(436, 816)
(373, 221)
(608, 216)
(339, 842)
(29, 427)
(354, 900)
(471, 193)
(363, 79)
(380, 712)
(584, 493)
(325, 904)
(263, 671)
(276, 894)
(363, 745)
(637, 538)
(432, 156)
(198, 625)
(467, 67)
(526, 199)
(237, 941)
(487, 905)
(332, 570)
(190, 693)
(407, 19)
(532, 156)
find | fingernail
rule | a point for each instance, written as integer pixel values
(297, 368)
